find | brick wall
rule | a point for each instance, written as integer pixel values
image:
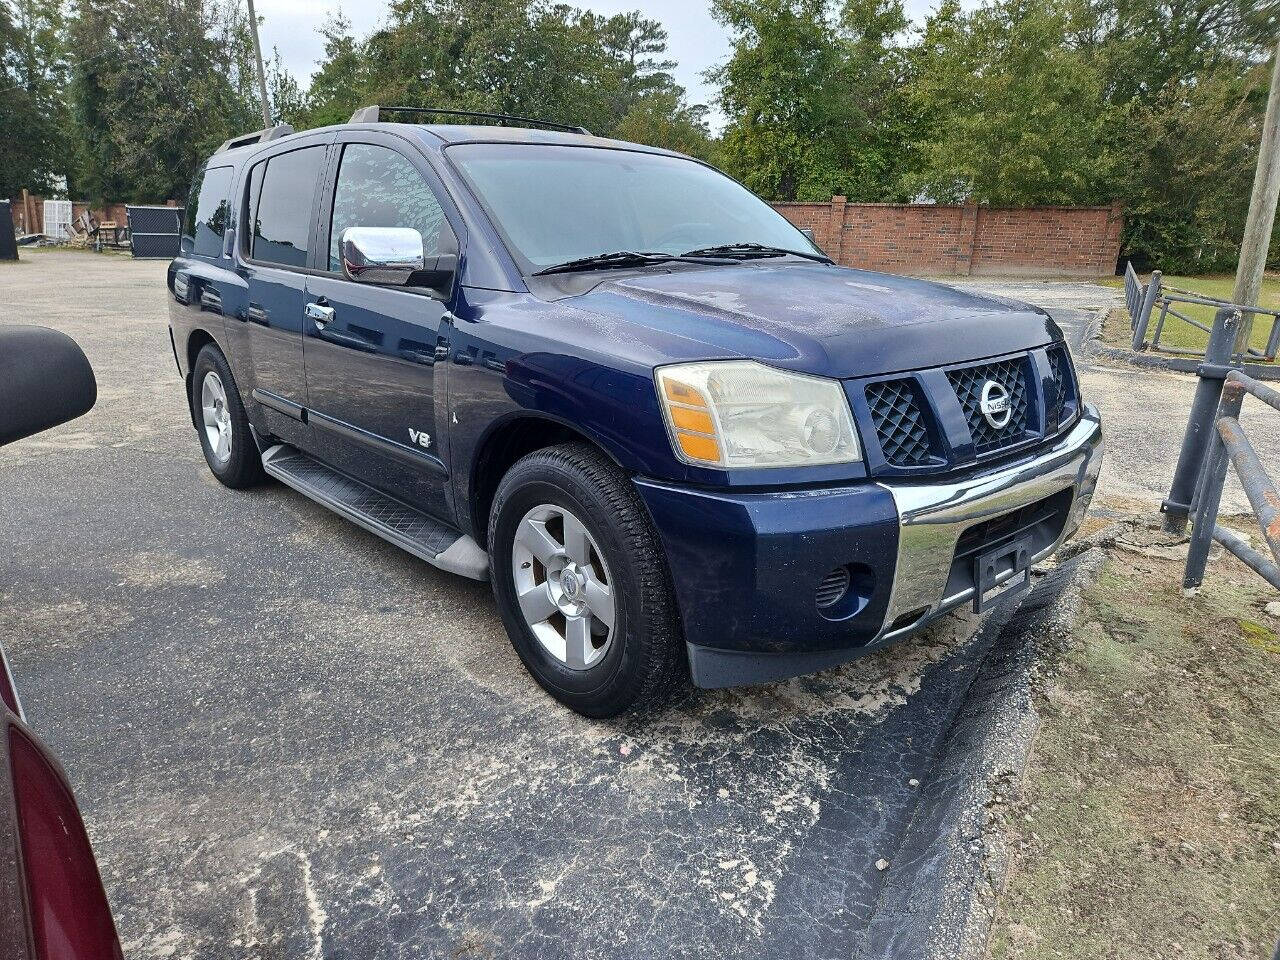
(897, 238)
(28, 213)
(949, 240)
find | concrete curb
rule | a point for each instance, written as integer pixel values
(938, 895)
(1154, 361)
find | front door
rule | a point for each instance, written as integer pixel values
(280, 207)
(371, 350)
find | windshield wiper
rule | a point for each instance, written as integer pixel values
(619, 259)
(742, 250)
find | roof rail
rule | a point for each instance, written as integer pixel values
(373, 115)
(258, 136)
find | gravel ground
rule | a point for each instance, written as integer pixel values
(291, 740)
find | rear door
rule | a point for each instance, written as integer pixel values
(371, 374)
(281, 197)
(204, 282)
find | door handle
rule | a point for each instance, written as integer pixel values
(320, 313)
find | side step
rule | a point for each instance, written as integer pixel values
(424, 536)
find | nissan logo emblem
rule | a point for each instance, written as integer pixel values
(996, 406)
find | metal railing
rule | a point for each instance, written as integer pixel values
(1219, 362)
(1144, 302)
(1229, 445)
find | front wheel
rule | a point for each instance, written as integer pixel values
(581, 583)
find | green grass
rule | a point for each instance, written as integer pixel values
(1149, 821)
(1177, 333)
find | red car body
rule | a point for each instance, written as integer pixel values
(52, 903)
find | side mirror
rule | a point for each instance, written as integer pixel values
(394, 256)
(386, 255)
(45, 380)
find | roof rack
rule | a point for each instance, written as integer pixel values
(373, 114)
(258, 136)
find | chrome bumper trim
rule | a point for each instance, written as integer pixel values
(932, 516)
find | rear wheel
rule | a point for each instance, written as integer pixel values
(221, 421)
(581, 583)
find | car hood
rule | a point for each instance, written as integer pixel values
(811, 317)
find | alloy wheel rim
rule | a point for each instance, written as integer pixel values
(563, 586)
(217, 418)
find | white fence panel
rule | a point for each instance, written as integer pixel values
(57, 219)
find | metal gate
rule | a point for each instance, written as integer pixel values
(154, 231)
(8, 242)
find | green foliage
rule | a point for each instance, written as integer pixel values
(663, 119)
(814, 98)
(1013, 115)
(156, 86)
(288, 100)
(1155, 103)
(1186, 88)
(337, 88)
(33, 110)
(536, 59)
(1190, 161)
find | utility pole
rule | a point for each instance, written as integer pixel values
(266, 106)
(1262, 211)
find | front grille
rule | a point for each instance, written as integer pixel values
(968, 383)
(1061, 368)
(833, 586)
(899, 423)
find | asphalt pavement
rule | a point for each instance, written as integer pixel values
(291, 740)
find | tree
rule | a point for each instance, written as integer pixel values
(529, 58)
(663, 119)
(337, 88)
(288, 101)
(813, 97)
(1186, 87)
(1190, 157)
(33, 78)
(156, 86)
(636, 48)
(1013, 114)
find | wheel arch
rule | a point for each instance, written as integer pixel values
(197, 340)
(506, 442)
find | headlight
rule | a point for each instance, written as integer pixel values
(738, 413)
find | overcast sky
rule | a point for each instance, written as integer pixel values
(696, 42)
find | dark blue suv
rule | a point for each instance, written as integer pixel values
(607, 377)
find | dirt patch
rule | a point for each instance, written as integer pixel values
(1116, 329)
(1148, 823)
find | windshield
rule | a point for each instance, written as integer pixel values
(559, 203)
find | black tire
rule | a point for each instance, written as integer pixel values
(243, 466)
(644, 661)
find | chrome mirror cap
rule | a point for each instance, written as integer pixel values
(386, 255)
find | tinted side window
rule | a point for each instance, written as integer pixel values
(208, 210)
(282, 220)
(377, 187)
(251, 207)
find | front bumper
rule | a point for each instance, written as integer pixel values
(745, 566)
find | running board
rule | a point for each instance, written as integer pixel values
(409, 529)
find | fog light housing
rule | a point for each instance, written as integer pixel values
(845, 591)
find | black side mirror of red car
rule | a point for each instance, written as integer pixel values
(45, 380)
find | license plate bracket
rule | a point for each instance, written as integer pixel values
(1001, 572)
